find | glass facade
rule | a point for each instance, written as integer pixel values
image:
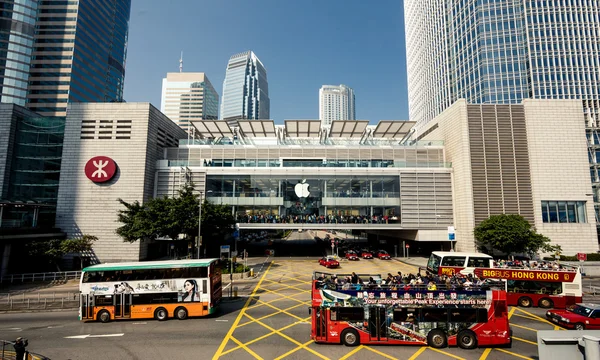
(315, 196)
(17, 30)
(35, 171)
(81, 48)
(563, 211)
(245, 89)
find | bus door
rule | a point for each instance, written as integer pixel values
(377, 323)
(320, 321)
(86, 303)
(122, 305)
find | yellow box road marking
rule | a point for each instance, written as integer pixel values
(523, 327)
(246, 348)
(535, 316)
(275, 313)
(348, 355)
(511, 312)
(513, 354)
(239, 317)
(445, 353)
(283, 311)
(419, 352)
(485, 354)
(380, 353)
(527, 317)
(525, 341)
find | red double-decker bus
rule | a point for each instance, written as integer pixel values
(353, 314)
(545, 288)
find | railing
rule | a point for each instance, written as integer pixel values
(39, 300)
(33, 277)
(8, 353)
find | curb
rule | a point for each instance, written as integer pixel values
(407, 263)
(36, 310)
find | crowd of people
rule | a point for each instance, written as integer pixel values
(532, 265)
(401, 281)
(317, 219)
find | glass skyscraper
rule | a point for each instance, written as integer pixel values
(500, 52)
(17, 30)
(79, 54)
(245, 89)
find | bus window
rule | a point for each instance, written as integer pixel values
(404, 315)
(434, 315)
(465, 315)
(500, 309)
(458, 261)
(478, 262)
(434, 263)
(347, 314)
(482, 315)
(105, 300)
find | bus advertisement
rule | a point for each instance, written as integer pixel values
(154, 289)
(378, 314)
(558, 287)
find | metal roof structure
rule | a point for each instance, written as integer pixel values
(348, 128)
(393, 129)
(212, 128)
(302, 128)
(257, 128)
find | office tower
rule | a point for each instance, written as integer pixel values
(336, 102)
(501, 52)
(16, 37)
(188, 97)
(245, 89)
(79, 54)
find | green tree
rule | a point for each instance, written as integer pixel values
(135, 222)
(511, 234)
(53, 251)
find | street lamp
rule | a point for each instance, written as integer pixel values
(199, 245)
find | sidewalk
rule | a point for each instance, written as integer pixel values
(414, 261)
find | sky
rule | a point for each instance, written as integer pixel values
(302, 44)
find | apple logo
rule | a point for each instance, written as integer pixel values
(301, 189)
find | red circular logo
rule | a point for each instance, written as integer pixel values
(100, 169)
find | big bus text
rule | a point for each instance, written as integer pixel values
(382, 315)
(154, 289)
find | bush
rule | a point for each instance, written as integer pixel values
(590, 257)
(239, 268)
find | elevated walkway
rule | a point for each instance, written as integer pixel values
(341, 226)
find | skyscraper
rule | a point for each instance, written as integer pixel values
(336, 102)
(17, 46)
(79, 54)
(188, 97)
(245, 89)
(501, 52)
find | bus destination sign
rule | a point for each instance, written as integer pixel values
(530, 275)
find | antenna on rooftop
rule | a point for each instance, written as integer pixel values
(181, 62)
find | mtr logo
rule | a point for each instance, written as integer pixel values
(100, 169)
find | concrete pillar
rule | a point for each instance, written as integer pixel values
(4, 260)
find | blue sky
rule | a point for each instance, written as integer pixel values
(303, 45)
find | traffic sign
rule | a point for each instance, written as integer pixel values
(581, 256)
(407, 246)
(224, 248)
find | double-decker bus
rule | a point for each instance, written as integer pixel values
(380, 314)
(525, 287)
(153, 289)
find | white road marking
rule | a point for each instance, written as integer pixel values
(228, 285)
(140, 323)
(13, 329)
(222, 320)
(55, 327)
(89, 336)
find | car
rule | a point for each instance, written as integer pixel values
(366, 254)
(383, 255)
(352, 255)
(329, 262)
(578, 317)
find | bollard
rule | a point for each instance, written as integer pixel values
(235, 291)
(590, 343)
(62, 303)
(251, 272)
(38, 296)
(45, 306)
(28, 306)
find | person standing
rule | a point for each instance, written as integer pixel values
(20, 345)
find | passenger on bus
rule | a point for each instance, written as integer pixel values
(431, 286)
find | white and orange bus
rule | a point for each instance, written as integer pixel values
(153, 289)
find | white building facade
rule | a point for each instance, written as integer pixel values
(188, 97)
(336, 102)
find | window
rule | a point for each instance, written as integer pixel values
(453, 261)
(563, 212)
(434, 315)
(347, 314)
(404, 314)
(478, 262)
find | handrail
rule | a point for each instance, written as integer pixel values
(46, 276)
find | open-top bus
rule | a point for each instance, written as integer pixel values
(379, 314)
(525, 287)
(153, 289)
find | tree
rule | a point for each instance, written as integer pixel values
(135, 223)
(512, 234)
(53, 251)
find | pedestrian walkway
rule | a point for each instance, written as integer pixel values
(417, 261)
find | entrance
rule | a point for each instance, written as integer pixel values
(377, 323)
(122, 305)
(320, 321)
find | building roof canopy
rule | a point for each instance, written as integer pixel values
(302, 128)
(392, 129)
(257, 128)
(213, 128)
(348, 128)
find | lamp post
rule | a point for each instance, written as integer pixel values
(199, 224)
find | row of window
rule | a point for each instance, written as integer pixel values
(563, 211)
(415, 315)
(145, 274)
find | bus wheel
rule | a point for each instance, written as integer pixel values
(579, 326)
(524, 301)
(160, 314)
(181, 313)
(467, 339)
(545, 303)
(104, 316)
(437, 339)
(350, 337)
